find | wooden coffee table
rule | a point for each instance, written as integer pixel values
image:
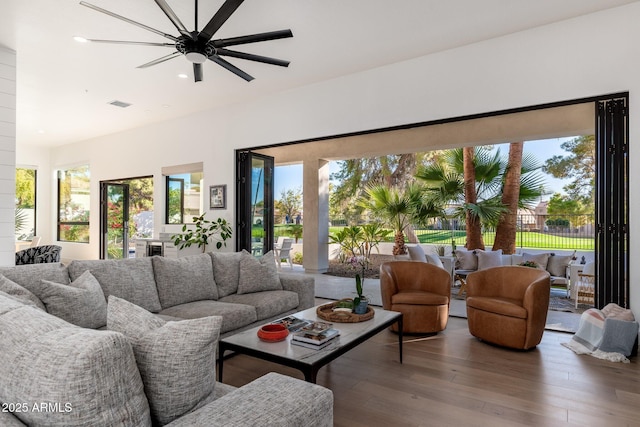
(309, 360)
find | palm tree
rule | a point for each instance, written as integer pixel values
(399, 208)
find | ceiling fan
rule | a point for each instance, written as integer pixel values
(198, 46)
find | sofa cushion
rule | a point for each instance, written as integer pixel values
(226, 270)
(234, 316)
(131, 279)
(267, 303)
(435, 260)
(466, 260)
(23, 294)
(258, 274)
(186, 279)
(488, 259)
(416, 253)
(29, 276)
(177, 360)
(557, 264)
(540, 259)
(81, 302)
(91, 375)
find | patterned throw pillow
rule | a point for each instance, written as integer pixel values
(177, 360)
(466, 260)
(23, 294)
(488, 259)
(257, 275)
(81, 302)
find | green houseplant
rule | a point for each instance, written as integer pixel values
(204, 232)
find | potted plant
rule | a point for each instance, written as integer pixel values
(360, 302)
(205, 231)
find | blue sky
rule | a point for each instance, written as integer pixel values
(290, 177)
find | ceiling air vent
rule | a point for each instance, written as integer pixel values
(120, 104)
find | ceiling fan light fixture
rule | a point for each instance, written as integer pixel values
(196, 57)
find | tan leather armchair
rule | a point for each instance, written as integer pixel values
(420, 291)
(508, 305)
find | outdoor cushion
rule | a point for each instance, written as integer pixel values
(226, 269)
(557, 264)
(466, 260)
(416, 253)
(435, 260)
(186, 279)
(540, 259)
(234, 315)
(177, 360)
(257, 275)
(487, 259)
(118, 276)
(23, 294)
(91, 374)
(81, 302)
(267, 303)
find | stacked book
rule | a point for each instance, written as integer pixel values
(315, 335)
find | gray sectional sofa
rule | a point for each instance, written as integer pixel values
(93, 343)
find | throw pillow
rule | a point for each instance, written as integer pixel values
(18, 300)
(91, 374)
(81, 302)
(557, 265)
(435, 260)
(226, 268)
(177, 360)
(24, 295)
(466, 260)
(540, 259)
(488, 259)
(257, 275)
(618, 336)
(183, 280)
(416, 253)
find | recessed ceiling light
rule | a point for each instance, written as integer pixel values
(182, 76)
(80, 39)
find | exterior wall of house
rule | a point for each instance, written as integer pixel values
(587, 56)
(7, 155)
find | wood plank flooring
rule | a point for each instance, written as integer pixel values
(452, 379)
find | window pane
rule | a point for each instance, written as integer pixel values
(184, 197)
(73, 204)
(25, 203)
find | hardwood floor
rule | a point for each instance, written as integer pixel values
(452, 379)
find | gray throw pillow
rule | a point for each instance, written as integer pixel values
(618, 336)
(19, 301)
(183, 280)
(81, 302)
(257, 275)
(488, 259)
(557, 265)
(226, 269)
(540, 259)
(177, 360)
(23, 294)
(91, 374)
(466, 260)
(416, 253)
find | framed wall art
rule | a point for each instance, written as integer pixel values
(218, 196)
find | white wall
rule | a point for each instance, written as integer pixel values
(7, 155)
(591, 55)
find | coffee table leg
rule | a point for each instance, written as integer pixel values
(400, 322)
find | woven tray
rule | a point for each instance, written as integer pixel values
(326, 312)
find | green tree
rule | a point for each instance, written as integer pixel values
(290, 202)
(25, 188)
(579, 166)
(564, 207)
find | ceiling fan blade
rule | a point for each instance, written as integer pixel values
(197, 72)
(221, 16)
(252, 57)
(174, 19)
(131, 42)
(115, 15)
(235, 70)
(159, 60)
(253, 38)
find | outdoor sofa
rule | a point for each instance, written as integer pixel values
(70, 358)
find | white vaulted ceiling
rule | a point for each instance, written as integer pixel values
(64, 87)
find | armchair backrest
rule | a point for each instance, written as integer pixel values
(413, 275)
(509, 281)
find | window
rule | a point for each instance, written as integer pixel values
(26, 179)
(73, 204)
(184, 193)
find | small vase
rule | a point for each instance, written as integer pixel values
(361, 308)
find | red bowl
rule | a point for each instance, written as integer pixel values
(273, 332)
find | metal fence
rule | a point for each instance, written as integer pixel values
(558, 231)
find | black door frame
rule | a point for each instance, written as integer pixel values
(104, 215)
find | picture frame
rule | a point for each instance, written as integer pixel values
(218, 196)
